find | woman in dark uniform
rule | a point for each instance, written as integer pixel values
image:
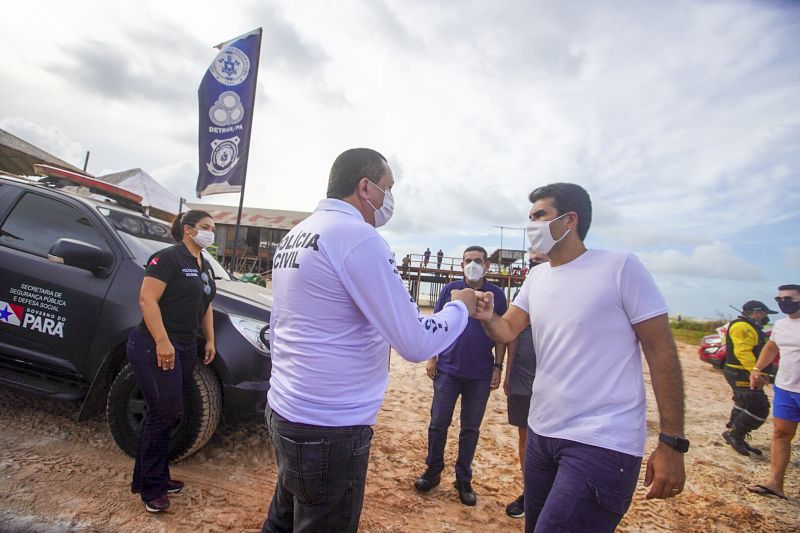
(175, 299)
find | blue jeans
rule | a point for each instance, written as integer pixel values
(163, 392)
(321, 476)
(474, 396)
(570, 486)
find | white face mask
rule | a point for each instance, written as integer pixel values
(204, 238)
(539, 235)
(473, 271)
(383, 214)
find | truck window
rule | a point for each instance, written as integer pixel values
(37, 222)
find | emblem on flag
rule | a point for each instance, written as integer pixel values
(224, 155)
(11, 313)
(231, 66)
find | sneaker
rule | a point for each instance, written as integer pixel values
(174, 486)
(156, 505)
(736, 442)
(516, 509)
(427, 481)
(465, 492)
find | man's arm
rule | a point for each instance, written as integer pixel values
(385, 302)
(503, 329)
(499, 357)
(768, 354)
(665, 469)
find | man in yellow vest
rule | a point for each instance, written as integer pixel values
(744, 341)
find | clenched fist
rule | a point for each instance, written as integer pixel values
(467, 296)
(484, 306)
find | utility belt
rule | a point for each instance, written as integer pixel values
(737, 377)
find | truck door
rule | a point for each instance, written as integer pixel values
(48, 311)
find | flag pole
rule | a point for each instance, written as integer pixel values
(232, 266)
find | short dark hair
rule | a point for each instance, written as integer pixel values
(789, 287)
(568, 197)
(350, 167)
(189, 218)
(476, 248)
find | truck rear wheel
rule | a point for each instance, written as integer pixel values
(202, 408)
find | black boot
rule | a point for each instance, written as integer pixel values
(736, 442)
(465, 492)
(427, 480)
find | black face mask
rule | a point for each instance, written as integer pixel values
(765, 321)
(789, 308)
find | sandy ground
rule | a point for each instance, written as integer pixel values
(57, 475)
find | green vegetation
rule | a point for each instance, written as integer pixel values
(252, 277)
(693, 331)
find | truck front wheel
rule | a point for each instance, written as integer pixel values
(202, 408)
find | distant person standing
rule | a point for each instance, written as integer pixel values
(336, 311)
(467, 369)
(426, 257)
(439, 257)
(406, 263)
(744, 341)
(785, 338)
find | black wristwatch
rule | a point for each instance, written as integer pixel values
(498, 366)
(678, 443)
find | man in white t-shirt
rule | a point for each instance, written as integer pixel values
(590, 310)
(785, 338)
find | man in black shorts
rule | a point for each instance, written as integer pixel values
(517, 386)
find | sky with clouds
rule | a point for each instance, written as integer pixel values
(681, 118)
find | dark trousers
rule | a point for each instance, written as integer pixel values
(321, 476)
(750, 407)
(576, 487)
(474, 396)
(163, 393)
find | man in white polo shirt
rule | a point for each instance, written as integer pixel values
(339, 303)
(589, 310)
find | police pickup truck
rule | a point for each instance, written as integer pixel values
(72, 258)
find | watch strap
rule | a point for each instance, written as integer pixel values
(678, 443)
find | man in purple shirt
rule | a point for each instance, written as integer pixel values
(467, 368)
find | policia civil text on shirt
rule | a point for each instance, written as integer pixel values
(744, 340)
(175, 299)
(338, 306)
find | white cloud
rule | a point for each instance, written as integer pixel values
(716, 260)
(792, 258)
(180, 178)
